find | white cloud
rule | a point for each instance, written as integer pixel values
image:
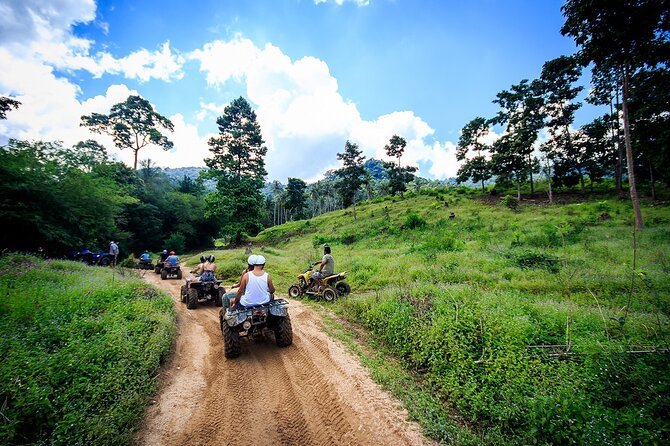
(190, 148)
(305, 120)
(341, 2)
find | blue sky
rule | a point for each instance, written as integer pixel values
(318, 72)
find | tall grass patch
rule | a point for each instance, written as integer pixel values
(80, 348)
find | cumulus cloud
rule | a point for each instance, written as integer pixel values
(304, 118)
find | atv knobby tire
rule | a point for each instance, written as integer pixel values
(231, 342)
(329, 294)
(343, 288)
(178, 274)
(218, 300)
(163, 274)
(184, 293)
(104, 261)
(284, 332)
(157, 269)
(192, 299)
(295, 291)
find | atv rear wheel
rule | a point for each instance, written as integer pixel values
(329, 294)
(104, 261)
(218, 300)
(343, 288)
(178, 274)
(192, 299)
(294, 291)
(157, 269)
(183, 293)
(163, 275)
(284, 332)
(231, 342)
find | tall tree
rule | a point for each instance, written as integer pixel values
(521, 113)
(6, 104)
(295, 198)
(624, 36)
(556, 85)
(352, 173)
(477, 167)
(133, 124)
(238, 165)
(650, 124)
(398, 175)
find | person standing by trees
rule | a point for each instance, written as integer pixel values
(114, 252)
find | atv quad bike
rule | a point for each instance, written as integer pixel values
(170, 271)
(253, 321)
(144, 264)
(194, 292)
(331, 286)
(159, 266)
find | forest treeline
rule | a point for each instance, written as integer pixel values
(63, 197)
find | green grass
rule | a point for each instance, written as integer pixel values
(460, 304)
(80, 348)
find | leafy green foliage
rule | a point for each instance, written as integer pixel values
(133, 124)
(238, 167)
(80, 348)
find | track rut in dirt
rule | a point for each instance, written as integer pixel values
(310, 393)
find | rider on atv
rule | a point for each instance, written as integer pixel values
(326, 268)
(256, 286)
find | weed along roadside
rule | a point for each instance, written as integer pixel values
(80, 350)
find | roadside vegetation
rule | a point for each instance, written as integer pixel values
(80, 349)
(530, 324)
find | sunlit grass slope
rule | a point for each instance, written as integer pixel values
(80, 347)
(468, 305)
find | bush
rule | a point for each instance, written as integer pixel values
(510, 202)
(80, 347)
(414, 220)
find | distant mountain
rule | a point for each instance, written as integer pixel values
(178, 173)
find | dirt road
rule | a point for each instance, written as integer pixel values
(310, 393)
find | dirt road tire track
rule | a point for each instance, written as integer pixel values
(310, 393)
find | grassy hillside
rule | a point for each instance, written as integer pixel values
(512, 326)
(80, 347)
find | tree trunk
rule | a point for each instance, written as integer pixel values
(551, 193)
(639, 224)
(530, 171)
(354, 207)
(581, 180)
(651, 180)
(518, 188)
(135, 163)
(619, 154)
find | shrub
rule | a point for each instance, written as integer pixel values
(414, 220)
(510, 202)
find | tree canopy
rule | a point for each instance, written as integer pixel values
(133, 124)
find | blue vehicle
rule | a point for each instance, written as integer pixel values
(89, 257)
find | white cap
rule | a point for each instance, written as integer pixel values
(252, 259)
(260, 260)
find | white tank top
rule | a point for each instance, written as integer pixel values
(257, 291)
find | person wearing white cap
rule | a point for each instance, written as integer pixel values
(256, 286)
(229, 297)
